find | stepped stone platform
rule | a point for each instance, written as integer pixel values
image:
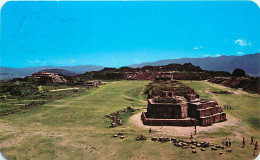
(182, 113)
(48, 77)
(206, 111)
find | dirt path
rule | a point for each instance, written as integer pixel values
(181, 131)
(64, 89)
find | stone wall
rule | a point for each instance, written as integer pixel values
(191, 97)
(204, 112)
(141, 75)
(209, 111)
(202, 104)
(208, 120)
(167, 110)
(168, 122)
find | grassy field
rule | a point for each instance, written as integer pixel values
(76, 127)
(44, 94)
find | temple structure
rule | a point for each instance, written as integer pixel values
(48, 77)
(168, 108)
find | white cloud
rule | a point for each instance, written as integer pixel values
(73, 61)
(200, 47)
(243, 42)
(207, 55)
(33, 61)
(218, 55)
(240, 53)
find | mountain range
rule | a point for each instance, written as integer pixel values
(250, 63)
(62, 72)
(9, 73)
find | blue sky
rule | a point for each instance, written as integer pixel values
(115, 34)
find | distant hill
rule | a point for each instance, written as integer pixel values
(250, 63)
(61, 72)
(185, 71)
(9, 73)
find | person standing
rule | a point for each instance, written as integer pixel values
(226, 142)
(252, 140)
(243, 142)
(255, 149)
(229, 143)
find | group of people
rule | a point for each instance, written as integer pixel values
(252, 142)
(227, 143)
(227, 107)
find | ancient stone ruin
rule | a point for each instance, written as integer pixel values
(48, 77)
(141, 75)
(206, 111)
(88, 84)
(178, 108)
(161, 75)
(115, 117)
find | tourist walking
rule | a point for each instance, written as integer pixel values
(229, 143)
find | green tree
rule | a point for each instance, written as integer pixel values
(238, 73)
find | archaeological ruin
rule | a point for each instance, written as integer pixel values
(174, 104)
(48, 77)
(88, 84)
(141, 75)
